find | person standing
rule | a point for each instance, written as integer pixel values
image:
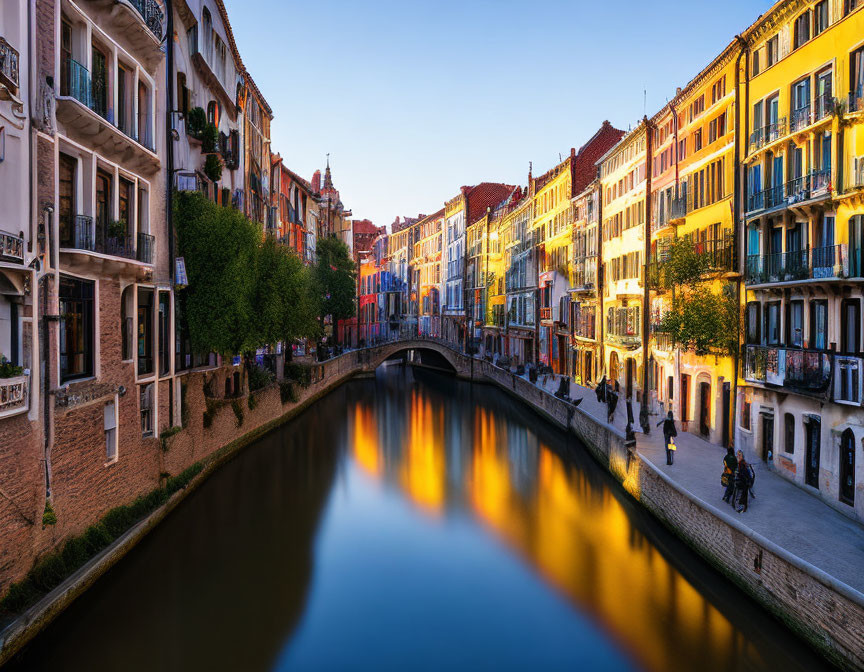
(742, 483)
(669, 431)
(730, 464)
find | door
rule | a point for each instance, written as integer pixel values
(856, 245)
(65, 56)
(847, 467)
(726, 405)
(814, 443)
(66, 199)
(631, 374)
(685, 397)
(103, 207)
(850, 324)
(704, 408)
(767, 437)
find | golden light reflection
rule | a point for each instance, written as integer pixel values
(422, 473)
(365, 440)
(571, 528)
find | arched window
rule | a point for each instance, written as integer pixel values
(207, 35)
(213, 113)
(182, 94)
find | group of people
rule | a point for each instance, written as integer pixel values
(738, 476)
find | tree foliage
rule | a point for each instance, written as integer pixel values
(244, 291)
(335, 276)
(700, 319)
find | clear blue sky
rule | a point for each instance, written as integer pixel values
(414, 98)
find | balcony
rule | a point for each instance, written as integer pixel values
(627, 340)
(140, 22)
(856, 173)
(819, 263)
(11, 248)
(8, 67)
(82, 109)
(767, 199)
(800, 118)
(88, 236)
(764, 136)
(679, 208)
(14, 397)
(662, 341)
(802, 371)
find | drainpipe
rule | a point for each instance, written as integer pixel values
(736, 217)
(646, 297)
(169, 136)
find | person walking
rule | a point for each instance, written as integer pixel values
(743, 480)
(669, 431)
(730, 464)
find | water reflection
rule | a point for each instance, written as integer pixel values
(413, 520)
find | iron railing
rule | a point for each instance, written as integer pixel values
(766, 199)
(94, 237)
(796, 369)
(679, 207)
(77, 82)
(767, 134)
(11, 247)
(8, 64)
(824, 106)
(808, 264)
(800, 118)
(152, 15)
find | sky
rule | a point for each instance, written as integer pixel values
(414, 98)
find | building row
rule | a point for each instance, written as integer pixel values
(758, 164)
(107, 107)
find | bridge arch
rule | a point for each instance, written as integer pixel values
(377, 355)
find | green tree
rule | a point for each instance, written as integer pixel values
(699, 319)
(335, 277)
(284, 299)
(220, 248)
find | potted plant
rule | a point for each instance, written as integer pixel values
(8, 369)
(117, 228)
(196, 120)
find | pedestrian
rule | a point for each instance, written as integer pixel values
(727, 480)
(743, 481)
(669, 431)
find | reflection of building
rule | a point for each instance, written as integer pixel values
(802, 143)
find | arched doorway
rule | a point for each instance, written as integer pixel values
(613, 367)
(847, 467)
(813, 448)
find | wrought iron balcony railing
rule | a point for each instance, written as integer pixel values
(766, 199)
(808, 264)
(152, 15)
(11, 247)
(94, 237)
(8, 65)
(797, 369)
(767, 134)
(800, 118)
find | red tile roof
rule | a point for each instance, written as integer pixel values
(486, 195)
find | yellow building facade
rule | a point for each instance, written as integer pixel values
(623, 185)
(799, 407)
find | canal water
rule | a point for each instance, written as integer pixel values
(412, 521)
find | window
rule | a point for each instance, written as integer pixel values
(182, 94)
(164, 333)
(213, 113)
(753, 323)
(146, 405)
(772, 323)
(207, 36)
(697, 140)
(145, 332)
(819, 324)
(789, 433)
(746, 412)
(772, 48)
(697, 107)
(66, 198)
(820, 17)
(856, 72)
(127, 197)
(755, 63)
(801, 30)
(76, 328)
(849, 6)
(110, 424)
(795, 324)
